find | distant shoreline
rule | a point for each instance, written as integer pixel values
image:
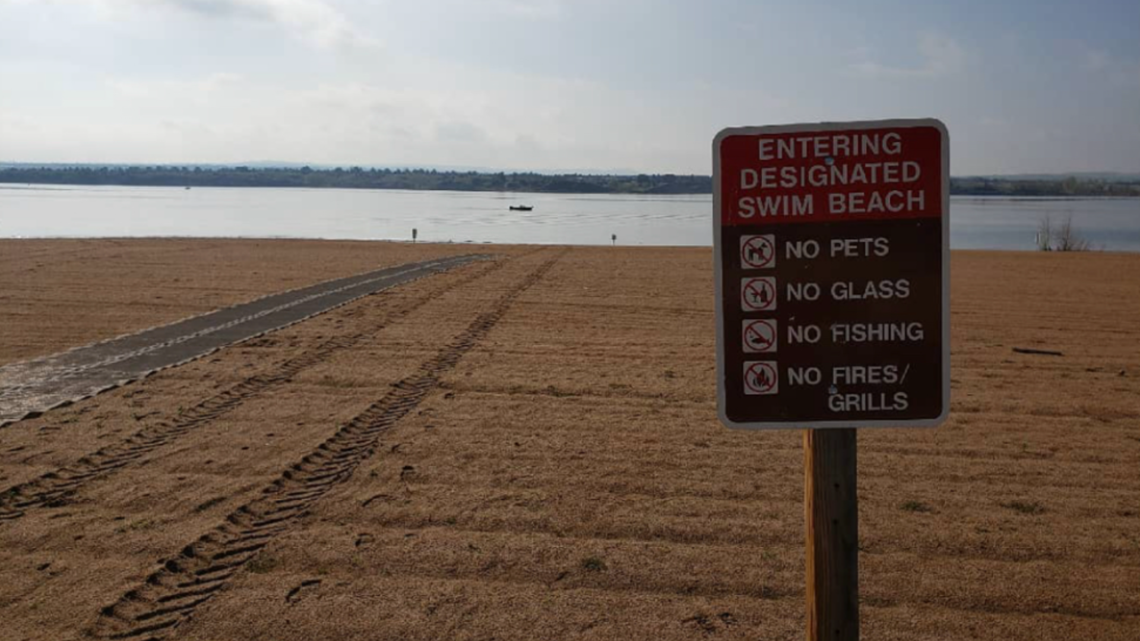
(6, 242)
(471, 181)
(956, 195)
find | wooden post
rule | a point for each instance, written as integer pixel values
(831, 509)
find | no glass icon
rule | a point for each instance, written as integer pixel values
(758, 294)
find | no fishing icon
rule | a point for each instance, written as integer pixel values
(759, 336)
(758, 252)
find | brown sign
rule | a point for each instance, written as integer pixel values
(832, 274)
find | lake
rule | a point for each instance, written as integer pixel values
(83, 212)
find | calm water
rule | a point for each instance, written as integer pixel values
(65, 211)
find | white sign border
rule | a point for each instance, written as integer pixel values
(901, 123)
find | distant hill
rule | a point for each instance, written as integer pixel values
(352, 178)
(1103, 176)
(1047, 185)
(291, 175)
(284, 164)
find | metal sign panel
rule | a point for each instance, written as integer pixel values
(832, 274)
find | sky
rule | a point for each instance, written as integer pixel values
(1024, 86)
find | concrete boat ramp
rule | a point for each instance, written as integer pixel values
(32, 387)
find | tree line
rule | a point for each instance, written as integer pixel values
(430, 179)
(357, 178)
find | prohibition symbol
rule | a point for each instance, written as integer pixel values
(757, 252)
(761, 378)
(759, 336)
(758, 294)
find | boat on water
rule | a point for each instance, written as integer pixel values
(521, 208)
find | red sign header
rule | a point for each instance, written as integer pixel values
(831, 176)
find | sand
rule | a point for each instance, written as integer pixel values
(62, 293)
(565, 476)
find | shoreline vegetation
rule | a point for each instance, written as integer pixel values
(435, 180)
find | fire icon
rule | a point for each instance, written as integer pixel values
(761, 378)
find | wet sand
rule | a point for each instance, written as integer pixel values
(559, 473)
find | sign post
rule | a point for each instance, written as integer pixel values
(831, 245)
(831, 515)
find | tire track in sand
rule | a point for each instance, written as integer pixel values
(53, 488)
(30, 388)
(169, 595)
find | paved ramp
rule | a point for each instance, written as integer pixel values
(33, 387)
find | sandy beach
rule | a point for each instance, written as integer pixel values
(56, 294)
(528, 448)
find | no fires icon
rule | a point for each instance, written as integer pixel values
(758, 294)
(761, 378)
(758, 252)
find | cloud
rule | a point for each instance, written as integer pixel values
(1096, 60)
(1100, 63)
(529, 8)
(528, 143)
(941, 56)
(17, 124)
(200, 89)
(1127, 75)
(314, 21)
(459, 131)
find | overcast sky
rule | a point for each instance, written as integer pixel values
(629, 85)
